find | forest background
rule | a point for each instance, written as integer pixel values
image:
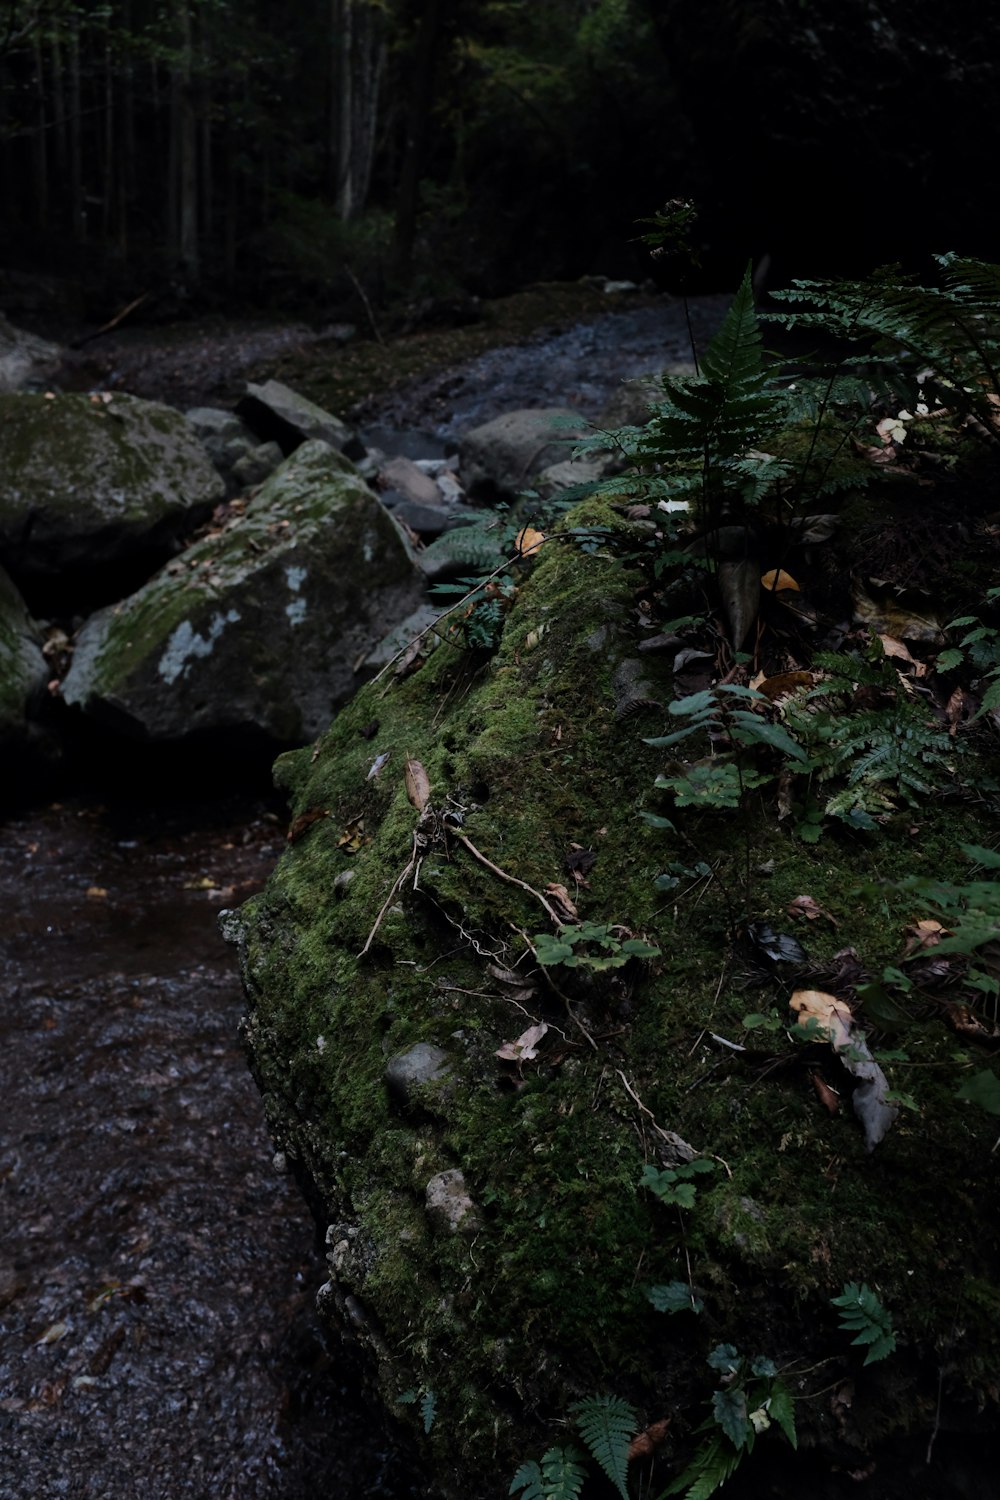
(266, 154)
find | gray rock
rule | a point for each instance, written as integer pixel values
(254, 467)
(87, 481)
(430, 520)
(23, 669)
(572, 471)
(278, 414)
(259, 625)
(26, 361)
(400, 637)
(214, 422)
(421, 1064)
(403, 475)
(449, 1207)
(505, 456)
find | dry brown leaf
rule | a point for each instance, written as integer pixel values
(924, 934)
(836, 1023)
(526, 1046)
(304, 821)
(418, 787)
(96, 892)
(776, 580)
(808, 907)
(782, 684)
(897, 649)
(645, 1444)
(828, 1097)
(562, 901)
(528, 541)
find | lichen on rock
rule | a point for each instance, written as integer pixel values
(260, 624)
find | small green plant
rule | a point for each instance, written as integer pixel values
(730, 715)
(606, 1425)
(980, 648)
(593, 946)
(675, 1297)
(427, 1402)
(674, 1185)
(970, 910)
(479, 626)
(752, 1398)
(862, 1314)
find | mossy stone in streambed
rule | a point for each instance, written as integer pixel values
(88, 481)
(546, 1300)
(259, 626)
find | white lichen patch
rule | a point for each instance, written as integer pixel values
(296, 608)
(185, 644)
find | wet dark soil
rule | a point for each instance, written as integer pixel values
(157, 1269)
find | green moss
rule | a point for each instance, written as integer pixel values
(526, 758)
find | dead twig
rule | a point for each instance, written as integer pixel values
(376, 331)
(510, 879)
(397, 883)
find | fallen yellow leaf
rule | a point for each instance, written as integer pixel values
(528, 541)
(778, 579)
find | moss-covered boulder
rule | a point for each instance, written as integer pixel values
(88, 480)
(472, 1129)
(259, 625)
(22, 665)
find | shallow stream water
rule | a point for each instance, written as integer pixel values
(157, 1272)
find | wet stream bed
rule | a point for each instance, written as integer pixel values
(157, 1271)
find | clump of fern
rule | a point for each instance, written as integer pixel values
(902, 337)
(885, 749)
(606, 1424)
(739, 434)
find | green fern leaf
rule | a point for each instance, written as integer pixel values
(529, 1479)
(711, 1466)
(560, 1476)
(428, 1409)
(607, 1425)
(781, 1410)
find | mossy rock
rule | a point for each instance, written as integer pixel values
(262, 623)
(88, 481)
(385, 927)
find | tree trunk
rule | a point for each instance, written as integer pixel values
(78, 214)
(357, 53)
(421, 96)
(39, 143)
(185, 132)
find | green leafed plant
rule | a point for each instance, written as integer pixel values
(594, 946)
(751, 1398)
(862, 1314)
(559, 1476)
(606, 1424)
(674, 1297)
(674, 1185)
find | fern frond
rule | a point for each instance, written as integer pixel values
(559, 1477)
(607, 1425)
(478, 548)
(725, 410)
(711, 1466)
